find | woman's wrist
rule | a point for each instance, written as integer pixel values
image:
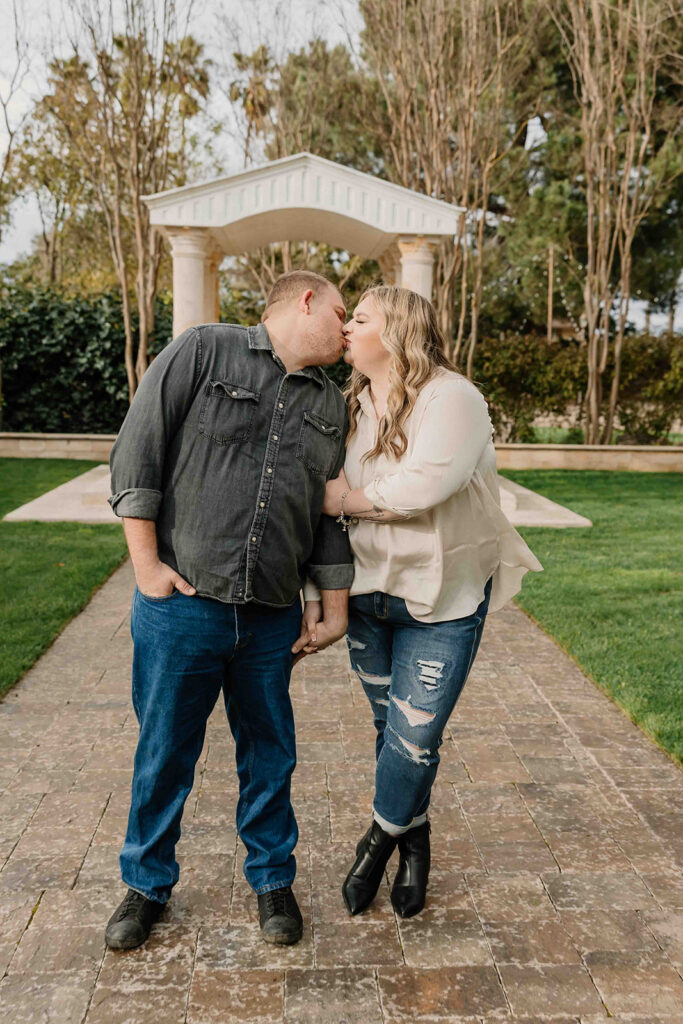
(357, 505)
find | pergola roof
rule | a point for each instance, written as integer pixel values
(303, 197)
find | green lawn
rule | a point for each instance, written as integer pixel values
(612, 595)
(48, 571)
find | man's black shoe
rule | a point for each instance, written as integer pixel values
(280, 917)
(131, 922)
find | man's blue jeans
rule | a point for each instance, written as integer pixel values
(186, 650)
(412, 673)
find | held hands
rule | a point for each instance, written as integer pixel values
(333, 494)
(160, 580)
(317, 633)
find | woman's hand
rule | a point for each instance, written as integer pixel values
(333, 494)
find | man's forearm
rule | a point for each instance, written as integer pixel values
(335, 605)
(141, 537)
(154, 578)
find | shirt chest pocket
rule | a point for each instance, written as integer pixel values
(318, 443)
(227, 412)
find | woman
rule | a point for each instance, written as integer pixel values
(433, 554)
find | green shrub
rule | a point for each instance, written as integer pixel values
(651, 391)
(522, 376)
(62, 360)
(63, 371)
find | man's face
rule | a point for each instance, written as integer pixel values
(322, 327)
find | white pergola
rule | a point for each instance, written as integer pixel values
(298, 198)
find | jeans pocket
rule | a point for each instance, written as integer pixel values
(157, 600)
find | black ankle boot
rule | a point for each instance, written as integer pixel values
(363, 880)
(410, 885)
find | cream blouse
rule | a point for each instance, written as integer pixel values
(457, 536)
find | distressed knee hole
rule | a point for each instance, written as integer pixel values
(383, 682)
(414, 716)
(430, 673)
(414, 753)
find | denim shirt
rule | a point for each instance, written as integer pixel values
(229, 455)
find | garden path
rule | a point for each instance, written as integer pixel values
(83, 499)
(556, 893)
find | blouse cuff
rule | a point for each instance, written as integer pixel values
(373, 494)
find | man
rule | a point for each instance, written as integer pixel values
(219, 474)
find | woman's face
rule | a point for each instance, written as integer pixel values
(363, 348)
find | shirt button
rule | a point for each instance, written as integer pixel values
(269, 470)
(274, 437)
(234, 394)
(280, 405)
(253, 540)
(262, 504)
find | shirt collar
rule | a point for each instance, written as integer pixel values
(259, 339)
(365, 402)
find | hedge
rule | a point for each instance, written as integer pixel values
(62, 360)
(62, 371)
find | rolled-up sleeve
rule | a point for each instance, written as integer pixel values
(330, 566)
(158, 409)
(454, 430)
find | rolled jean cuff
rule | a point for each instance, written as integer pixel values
(398, 830)
(270, 886)
(331, 577)
(136, 503)
(147, 895)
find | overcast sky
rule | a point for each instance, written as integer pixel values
(285, 24)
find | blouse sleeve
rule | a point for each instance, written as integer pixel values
(454, 430)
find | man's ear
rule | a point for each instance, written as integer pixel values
(305, 301)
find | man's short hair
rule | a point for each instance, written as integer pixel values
(289, 286)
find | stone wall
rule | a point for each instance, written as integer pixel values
(57, 446)
(646, 459)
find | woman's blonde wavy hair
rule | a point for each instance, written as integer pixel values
(417, 347)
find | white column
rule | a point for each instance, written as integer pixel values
(390, 265)
(191, 249)
(212, 308)
(417, 264)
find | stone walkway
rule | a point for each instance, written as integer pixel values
(83, 499)
(555, 894)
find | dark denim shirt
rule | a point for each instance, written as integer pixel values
(230, 454)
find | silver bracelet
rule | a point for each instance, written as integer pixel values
(342, 518)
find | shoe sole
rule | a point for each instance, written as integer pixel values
(282, 940)
(412, 913)
(125, 945)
